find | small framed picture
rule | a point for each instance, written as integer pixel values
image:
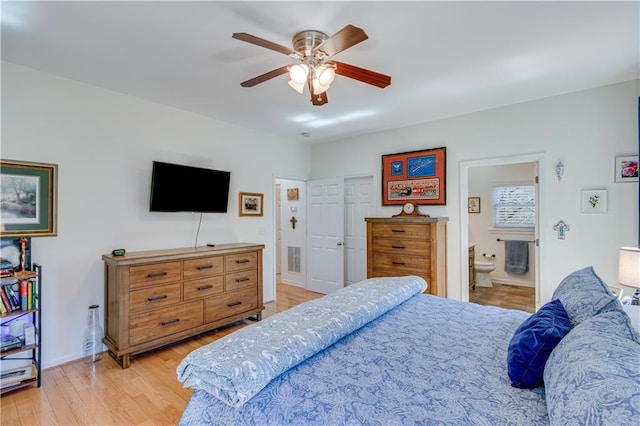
(627, 168)
(594, 201)
(250, 204)
(474, 204)
(292, 194)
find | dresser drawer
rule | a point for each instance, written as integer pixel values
(405, 265)
(396, 273)
(230, 303)
(400, 230)
(151, 325)
(154, 297)
(204, 267)
(240, 280)
(197, 289)
(238, 262)
(402, 246)
(154, 273)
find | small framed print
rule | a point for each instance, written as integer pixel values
(250, 204)
(292, 194)
(474, 204)
(626, 168)
(594, 201)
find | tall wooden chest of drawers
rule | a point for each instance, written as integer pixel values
(399, 246)
(158, 297)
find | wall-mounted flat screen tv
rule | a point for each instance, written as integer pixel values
(179, 188)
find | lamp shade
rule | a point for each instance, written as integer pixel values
(325, 75)
(629, 266)
(298, 73)
(298, 87)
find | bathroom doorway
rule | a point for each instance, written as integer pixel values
(503, 276)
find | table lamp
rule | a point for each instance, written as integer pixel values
(629, 270)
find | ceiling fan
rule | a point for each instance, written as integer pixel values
(314, 50)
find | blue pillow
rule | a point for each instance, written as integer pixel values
(584, 295)
(533, 342)
(593, 378)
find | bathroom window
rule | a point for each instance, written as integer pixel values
(514, 206)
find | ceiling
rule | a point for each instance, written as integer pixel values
(445, 58)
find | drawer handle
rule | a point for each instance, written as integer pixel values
(170, 321)
(397, 230)
(239, 280)
(398, 263)
(234, 304)
(157, 274)
(398, 247)
(203, 267)
(205, 287)
(159, 297)
(242, 261)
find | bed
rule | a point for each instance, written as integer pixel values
(382, 352)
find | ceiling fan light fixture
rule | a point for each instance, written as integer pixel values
(298, 87)
(325, 75)
(299, 73)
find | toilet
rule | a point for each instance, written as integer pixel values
(483, 269)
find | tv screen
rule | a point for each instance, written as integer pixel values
(179, 188)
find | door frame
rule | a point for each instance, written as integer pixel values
(541, 220)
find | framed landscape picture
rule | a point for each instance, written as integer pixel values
(416, 176)
(29, 198)
(250, 204)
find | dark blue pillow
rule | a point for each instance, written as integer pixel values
(533, 342)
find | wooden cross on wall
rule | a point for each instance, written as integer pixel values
(293, 221)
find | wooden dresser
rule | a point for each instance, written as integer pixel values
(158, 297)
(399, 246)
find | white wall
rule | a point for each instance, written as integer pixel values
(481, 230)
(104, 144)
(585, 130)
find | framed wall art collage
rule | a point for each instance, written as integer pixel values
(415, 176)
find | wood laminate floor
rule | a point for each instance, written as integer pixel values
(505, 296)
(146, 393)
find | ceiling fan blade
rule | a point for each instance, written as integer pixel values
(361, 74)
(266, 76)
(265, 43)
(343, 39)
(317, 99)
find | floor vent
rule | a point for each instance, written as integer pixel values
(294, 259)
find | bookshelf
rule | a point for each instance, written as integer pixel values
(20, 358)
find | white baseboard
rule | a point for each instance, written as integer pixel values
(512, 282)
(294, 283)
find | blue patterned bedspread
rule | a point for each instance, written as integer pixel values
(428, 361)
(239, 365)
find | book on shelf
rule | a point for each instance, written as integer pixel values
(18, 295)
(9, 342)
(24, 299)
(11, 295)
(30, 294)
(13, 377)
(5, 300)
(8, 363)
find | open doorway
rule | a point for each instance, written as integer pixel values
(290, 214)
(484, 236)
(294, 254)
